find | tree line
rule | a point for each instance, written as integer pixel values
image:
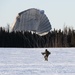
(55, 38)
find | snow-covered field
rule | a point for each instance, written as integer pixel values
(30, 61)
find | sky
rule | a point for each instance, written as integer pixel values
(59, 12)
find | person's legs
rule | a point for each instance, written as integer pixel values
(46, 58)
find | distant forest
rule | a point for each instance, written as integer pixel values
(55, 38)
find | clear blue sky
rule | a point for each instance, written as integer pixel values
(59, 12)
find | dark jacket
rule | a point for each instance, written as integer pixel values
(47, 53)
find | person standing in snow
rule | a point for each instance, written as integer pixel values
(46, 54)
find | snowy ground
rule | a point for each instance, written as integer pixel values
(30, 61)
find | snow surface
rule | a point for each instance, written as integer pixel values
(30, 61)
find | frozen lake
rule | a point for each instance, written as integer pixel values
(30, 61)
